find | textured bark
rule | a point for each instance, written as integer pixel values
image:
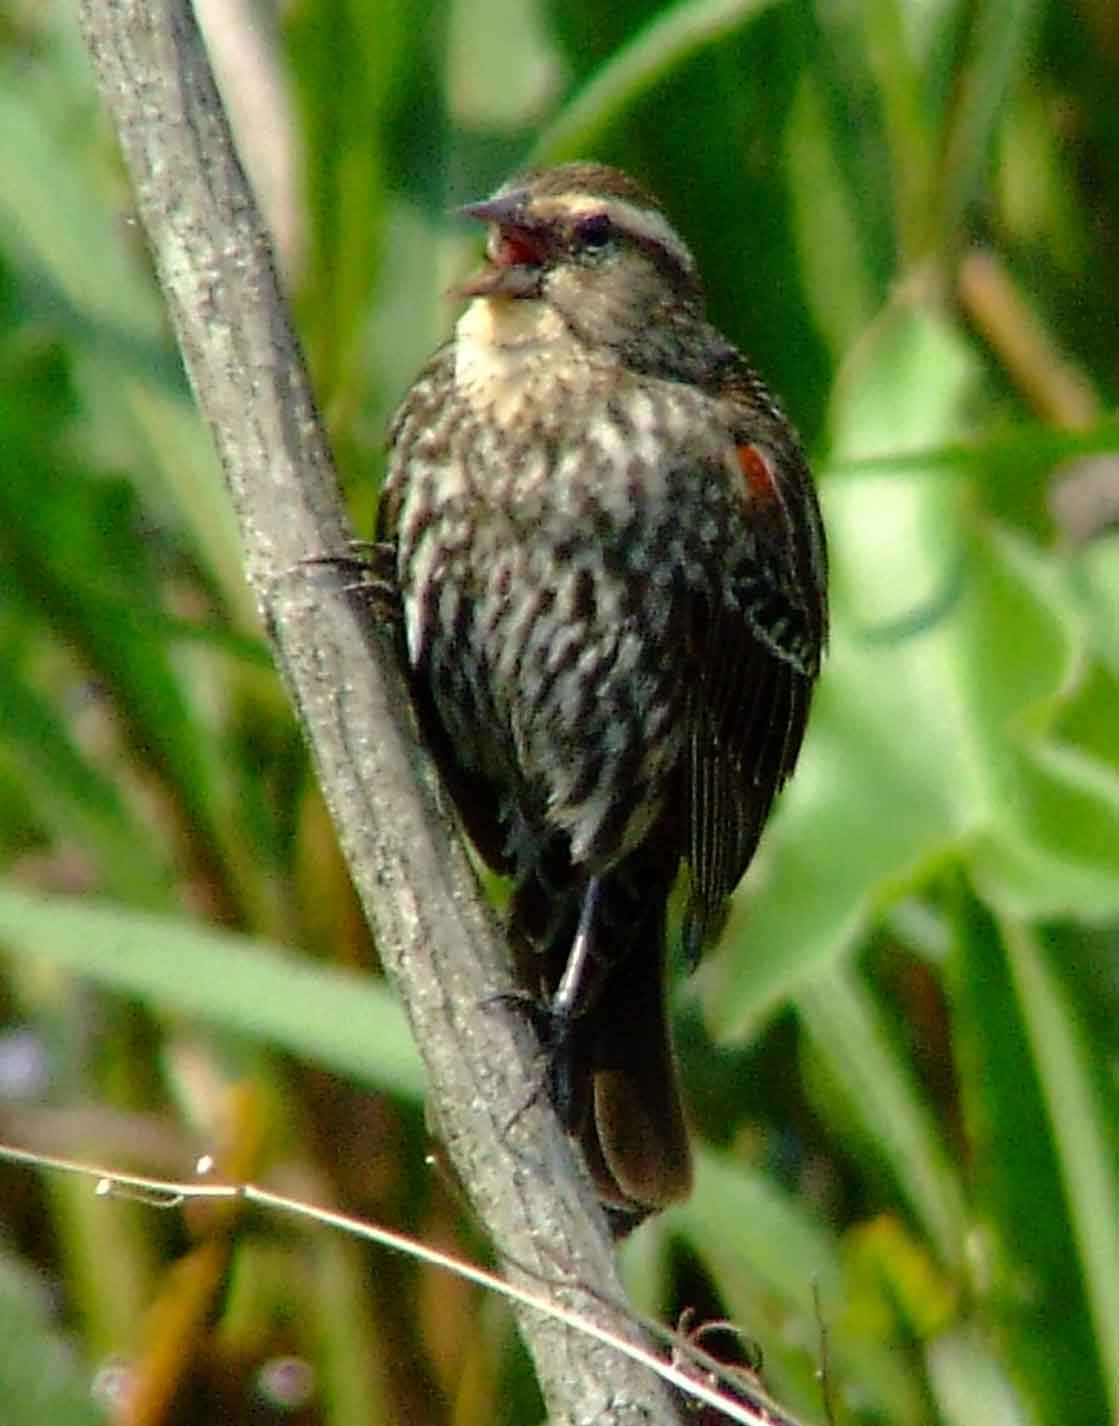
(436, 936)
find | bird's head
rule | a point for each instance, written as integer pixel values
(584, 242)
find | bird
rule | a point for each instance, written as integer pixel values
(611, 575)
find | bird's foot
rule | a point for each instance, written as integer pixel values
(555, 1032)
(372, 567)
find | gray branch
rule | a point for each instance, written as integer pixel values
(436, 936)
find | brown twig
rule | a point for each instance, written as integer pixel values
(728, 1393)
(1054, 387)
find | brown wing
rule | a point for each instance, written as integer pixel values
(757, 655)
(745, 733)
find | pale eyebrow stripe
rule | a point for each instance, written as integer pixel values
(643, 223)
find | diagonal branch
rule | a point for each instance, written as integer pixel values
(436, 936)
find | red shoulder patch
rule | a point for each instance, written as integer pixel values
(757, 471)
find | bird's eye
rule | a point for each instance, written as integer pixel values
(594, 231)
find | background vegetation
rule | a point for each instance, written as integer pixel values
(903, 1061)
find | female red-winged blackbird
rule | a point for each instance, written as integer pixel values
(613, 577)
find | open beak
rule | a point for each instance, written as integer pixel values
(515, 250)
(503, 208)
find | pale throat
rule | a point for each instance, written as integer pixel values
(501, 345)
(509, 322)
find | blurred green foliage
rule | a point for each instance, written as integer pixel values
(903, 1061)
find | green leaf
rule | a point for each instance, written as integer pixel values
(835, 248)
(769, 1258)
(998, 45)
(880, 792)
(1094, 573)
(1029, 1272)
(898, 70)
(1083, 1129)
(931, 733)
(40, 1380)
(351, 64)
(970, 1386)
(880, 1091)
(345, 1022)
(478, 31)
(1056, 853)
(54, 217)
(76, 556)
(753, 1233)
(72, 795)
(662, 46)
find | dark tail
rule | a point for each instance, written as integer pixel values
(613, 1074)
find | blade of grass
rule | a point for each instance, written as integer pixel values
(970, 1386)
(774, 1263)
(662, 46)
(345, 1022)
(745, 1226)
(72, 795)
(897, 72)
(39, 1378)
(1031, 1290)
(1084, 1141)
(849, 1036)
(1000, 36)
